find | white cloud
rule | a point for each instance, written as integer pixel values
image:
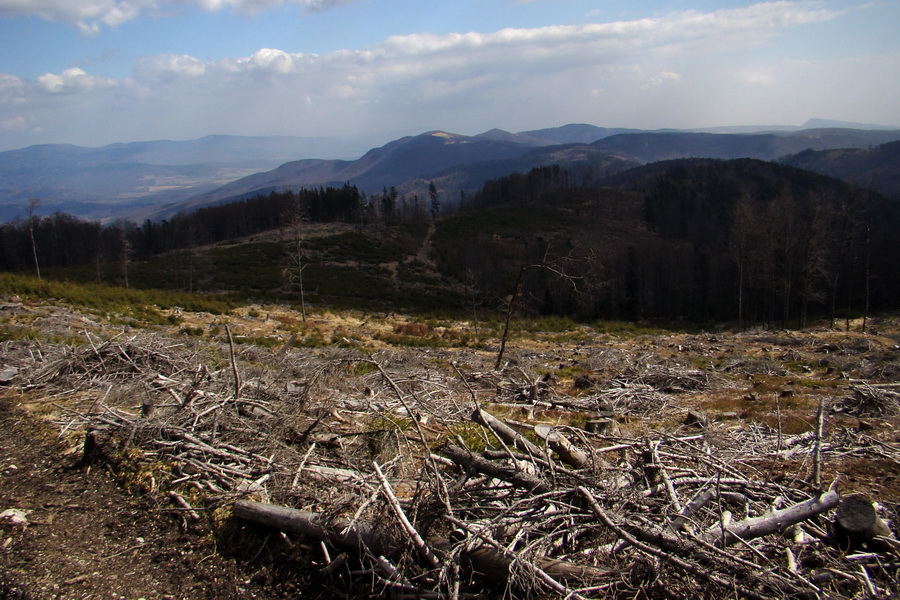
(12, 90)
(755, 76)
(73, 80)
(16, 123)
(661, 78)
(167, 67)
(678, 70)
(89, 15)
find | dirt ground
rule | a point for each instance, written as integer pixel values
(86, 539)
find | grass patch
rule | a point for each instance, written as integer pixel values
(412, 341)
(354, 246)
(627, 328)
(139, 305)
(11, 333)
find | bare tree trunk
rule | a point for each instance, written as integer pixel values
(856, 521)
(33, 203)
(867, 277)
(300, 278)
(509, 310)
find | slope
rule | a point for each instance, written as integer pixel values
(877, 168)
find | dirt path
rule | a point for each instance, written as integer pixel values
(425, 248)
(87, 539)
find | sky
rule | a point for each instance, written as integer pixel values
(95, 72)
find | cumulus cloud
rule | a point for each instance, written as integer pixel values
(70, 81)
(169, 67)
(618, 73)
(756, 76)
(90, 15)
(12, 90)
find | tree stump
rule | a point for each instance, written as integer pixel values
(856, 522)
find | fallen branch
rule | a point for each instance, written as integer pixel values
(774, 522)
(408, 527)
(340, 532)
(516, 477)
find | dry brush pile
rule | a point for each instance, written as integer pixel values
(425, 474)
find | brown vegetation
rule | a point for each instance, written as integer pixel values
(589, 465)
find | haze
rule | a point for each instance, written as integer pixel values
(94, 72)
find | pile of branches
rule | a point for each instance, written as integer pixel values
(871, 400)
(664, 515)
(413, 488)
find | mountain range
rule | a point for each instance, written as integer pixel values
(154, 180)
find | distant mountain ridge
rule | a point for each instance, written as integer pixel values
(877, 168)
(118, 179)
(154, 179)
(388, 166)
(412, 162)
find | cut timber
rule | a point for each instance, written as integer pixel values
(473, 463)
(487, 562)
(856, 521)
(505, 432)
(492, 565)
(340, 532)
(567, 451)
(601, 426)
(774, 522)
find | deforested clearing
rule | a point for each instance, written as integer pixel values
(371, 454)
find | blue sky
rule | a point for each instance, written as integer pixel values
(93, 72)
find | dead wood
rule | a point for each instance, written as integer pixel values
(856, 522)
(505, 432)
(774, 522)
(475, 464)
(520, 516)
(566, 450)
(339, 531)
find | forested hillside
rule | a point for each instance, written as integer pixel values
(877, 168)
(699, 239)
(704, 240)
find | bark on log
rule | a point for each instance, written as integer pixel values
(505, 432)
(486, 562)
(567, 451)
(340, 531)
(773, 522)
(491, 565)
(601, 426)
(516, 477)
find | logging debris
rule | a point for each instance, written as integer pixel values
(427, 488)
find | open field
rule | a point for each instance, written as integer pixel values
(190, 412)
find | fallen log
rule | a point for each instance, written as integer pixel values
(486, 562)
(504, 432)
(690, 567)
(472, 463)
(774, 522)
(566, 450)
(340, 531)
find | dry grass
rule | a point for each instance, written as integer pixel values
(354, 397)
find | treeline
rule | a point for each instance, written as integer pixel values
(61, 240)
(743, 240)
(705, 240)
